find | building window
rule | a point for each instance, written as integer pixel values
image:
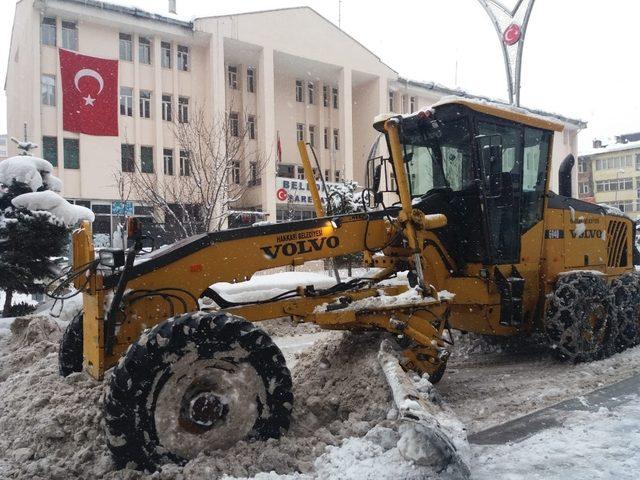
(300, 132)
(234, 127)
(311, 92)
(326, 138)
(334, 92)
(614, 184)
(235, 172)
(299, 91)
(412, 104)
(584, 188)
(325, 95)
(127, 157)
(336, 139)
(287, 171)
(71, 147)
(614, 162)
(167, 101)
(126, 47)
(403, 105)
(581, 166)
(183, 110)
(69, 36)
(126, 101)
(327, 175)
(185, 164)
(232, 77)
(251, 126)
(165, 54)
(183, 58)
(50, 150)
(145, 104)
(144, 50)
(48, 90)
(146, 159)
(338, 176)
(251, 80)
(312, 135)
(254, 178)
(391, 102)
(167, 156)
(48, 31)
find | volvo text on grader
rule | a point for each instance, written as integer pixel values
(488, 248)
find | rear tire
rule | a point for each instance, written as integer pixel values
(70, 349)
(579, 317)
(626, 293)
(195, 382)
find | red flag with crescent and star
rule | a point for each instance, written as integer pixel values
(89, 94)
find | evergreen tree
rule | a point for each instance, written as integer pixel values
(28, 241)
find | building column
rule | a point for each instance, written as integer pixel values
(218, 103)
(217, 81)
(383, 93)
(346, 122)
(156, 114)
(321, 126)
(267, 131)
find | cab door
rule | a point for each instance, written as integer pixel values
(500, 154)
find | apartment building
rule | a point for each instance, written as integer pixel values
(312, 82)
(610, 174)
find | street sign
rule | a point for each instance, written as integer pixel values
(122, 208)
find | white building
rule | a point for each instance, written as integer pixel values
(313, 81)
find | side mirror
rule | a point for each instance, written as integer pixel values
(492, 158)
(377, 173)
(500, 188)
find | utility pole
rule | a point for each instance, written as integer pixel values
(511, 26)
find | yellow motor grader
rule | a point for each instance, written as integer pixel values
(487, 246)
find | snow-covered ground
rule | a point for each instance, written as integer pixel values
(344, 422)
(594, 445)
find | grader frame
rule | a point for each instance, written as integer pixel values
(406, 236)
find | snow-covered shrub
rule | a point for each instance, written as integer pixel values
(35, 223)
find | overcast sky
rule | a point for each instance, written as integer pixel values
(579, 56)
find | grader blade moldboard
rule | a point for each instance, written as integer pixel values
(431, 435)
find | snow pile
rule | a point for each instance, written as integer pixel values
(262, 287)
(53, 203)
(343, 418)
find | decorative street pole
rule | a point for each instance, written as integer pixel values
(510, 25)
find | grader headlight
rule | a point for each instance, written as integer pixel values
(111, 257)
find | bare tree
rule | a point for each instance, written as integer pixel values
(215, 166)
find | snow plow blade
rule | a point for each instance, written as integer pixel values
(431, 434)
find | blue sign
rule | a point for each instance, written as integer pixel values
(122, 208)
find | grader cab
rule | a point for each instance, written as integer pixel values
(487, 246)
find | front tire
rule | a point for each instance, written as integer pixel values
(195, 382)
(70, 349)
(580, 317)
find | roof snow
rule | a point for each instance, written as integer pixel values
(613, 147)
(53, 203)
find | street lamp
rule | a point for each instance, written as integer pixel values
(510, 25)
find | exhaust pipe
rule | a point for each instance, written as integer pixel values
(564, 175)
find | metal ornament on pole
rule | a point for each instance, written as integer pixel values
(511, 26)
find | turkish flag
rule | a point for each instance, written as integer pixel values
(89, 94)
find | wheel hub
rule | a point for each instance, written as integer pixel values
(206, 408)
